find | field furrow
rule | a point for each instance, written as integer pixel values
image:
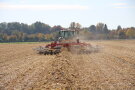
(112, 68)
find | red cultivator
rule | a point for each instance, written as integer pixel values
(72, 46)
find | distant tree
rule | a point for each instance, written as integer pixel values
(14, 26)
(40, 37)
(75, 26)
(119, 28)
(72, 25)
(48, 37)
(32, 37)
(78, 26)
(105, 29)
(121, 34)
(56, 28)
(39, 27)
(5, 37)
(130, 33)
(19, 35)
(113, 34)
(3, 27)
(92, 28)
(13, 38)
(1, 37)
(25, 28)
(99, 27)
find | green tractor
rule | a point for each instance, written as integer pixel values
(68, 34)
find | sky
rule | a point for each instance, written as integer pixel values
(63, 12)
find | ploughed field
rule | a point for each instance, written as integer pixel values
(112, 68)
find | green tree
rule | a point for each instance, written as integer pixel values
(119, 28)
(105, 29)
(39, 27)
(3, 27)
(92, 28)
(56, 28)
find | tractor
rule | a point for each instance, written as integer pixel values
(69, 40)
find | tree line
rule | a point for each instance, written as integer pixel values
(17, 32)
(38, 31)
(101, 31)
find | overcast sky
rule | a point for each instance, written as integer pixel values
(63, 12)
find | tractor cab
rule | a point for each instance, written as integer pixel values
(67, 34)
